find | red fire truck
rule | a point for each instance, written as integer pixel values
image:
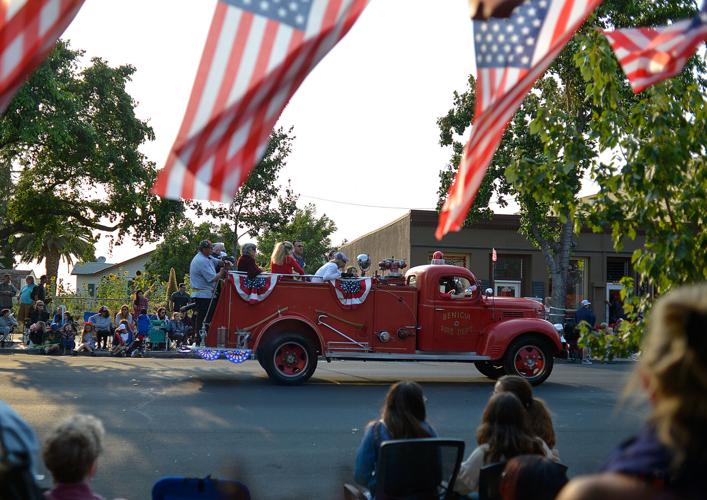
(432, 313)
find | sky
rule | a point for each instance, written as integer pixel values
(364, 119)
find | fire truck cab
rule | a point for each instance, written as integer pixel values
(432, 313)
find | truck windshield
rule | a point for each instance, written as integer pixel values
(455, 287)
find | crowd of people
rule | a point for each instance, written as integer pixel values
(128, 333)
(663, 461)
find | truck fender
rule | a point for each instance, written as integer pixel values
(290, 323)
(500, 335)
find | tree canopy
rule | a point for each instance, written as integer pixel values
(71, 139)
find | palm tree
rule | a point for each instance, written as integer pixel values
(55, 241)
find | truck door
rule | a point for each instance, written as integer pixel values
(456, 315)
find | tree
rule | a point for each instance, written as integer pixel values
(305, 226)
(260, 204)
(72, 140)
(655, 180)
(549, 146)
(179, 247)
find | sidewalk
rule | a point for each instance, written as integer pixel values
(19, 348)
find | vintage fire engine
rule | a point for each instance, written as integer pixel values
(434, 312)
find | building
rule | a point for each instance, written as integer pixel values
(89, 274)
(520, 270)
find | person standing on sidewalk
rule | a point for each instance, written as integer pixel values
(25, 300)
(7, 292)
(586, 314)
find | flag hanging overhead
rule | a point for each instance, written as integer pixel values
(257, 54)
(28, 31)
(511, 54)
(651, 55)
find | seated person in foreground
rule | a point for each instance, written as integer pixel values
(282, 261)
(177, 330)
(88, 339)
(246, 262)
(69, 330)
(38, 313)
(502, 435)
(71, 454)
(668, 457)
(122, 340)
(403, 417)
(7, 324)
(332, 269)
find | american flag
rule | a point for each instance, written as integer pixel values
(257, 54)
(511, 54)
(651, 55)
(28, 31)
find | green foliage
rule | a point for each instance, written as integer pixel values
(306, 226)
(72, 136)
(179, 247)
(260, 204)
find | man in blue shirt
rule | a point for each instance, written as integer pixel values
(585, 313)
(204, 279)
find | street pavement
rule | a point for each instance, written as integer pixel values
(194, 417)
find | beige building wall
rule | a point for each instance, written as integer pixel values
(391, 240)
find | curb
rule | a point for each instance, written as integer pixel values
(101, 354)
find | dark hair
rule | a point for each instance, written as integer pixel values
(532, 477)
(504, 428)
(143, 311)
(404, 411)
(539, 419)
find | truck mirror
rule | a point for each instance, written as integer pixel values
(489, 292)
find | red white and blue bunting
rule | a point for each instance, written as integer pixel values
(256, 289)
(352, 291)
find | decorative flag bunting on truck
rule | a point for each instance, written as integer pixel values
(254, 290)
(256, 56)
(351, 291)
(511, 54)
(28, 31)
(651, 55)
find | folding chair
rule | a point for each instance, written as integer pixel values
(158, 334)
(418, 469)
(182, 488)
(490, 481)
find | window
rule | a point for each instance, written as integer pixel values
(616, 268)
(412, 281)
(456, 287)
(453, 259)
(577, 283)
(509, 268)
(91, 290)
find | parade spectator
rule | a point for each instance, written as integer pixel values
(282, 261)
(585, 313)
(669, 455)
(7, 292)
(143, 323)
(180, 298)
(104, 327)
(539, 418)
(38, 312)
(532, 477)
(162, 314)
(502, 435)
(7, 325)
(25, 300)
(88, 339)
(71, 454)
(403, 417)
(124, 314)
(332, 269)
(177, 330)
(140, 302)
(246, 262)
(352, 272)
(122, 340)
(68, 330)
(37, 333)
(18, 457)
(40, 291)
(299, 253)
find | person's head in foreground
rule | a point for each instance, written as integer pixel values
(532, 477)
(539, 419)
(404, 411)
(504, 428)
(72, 448)
(668, 458)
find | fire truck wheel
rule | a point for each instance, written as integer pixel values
(492, 369)
(289, 359)
(530, 358)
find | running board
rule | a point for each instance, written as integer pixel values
(393, 356)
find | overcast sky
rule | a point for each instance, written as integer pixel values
(364, 118)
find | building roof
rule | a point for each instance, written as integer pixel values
(91, 268)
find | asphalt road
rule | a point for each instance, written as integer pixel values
(193, 417)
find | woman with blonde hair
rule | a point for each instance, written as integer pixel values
(669, 456)
(282, 261)
(124, 314)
